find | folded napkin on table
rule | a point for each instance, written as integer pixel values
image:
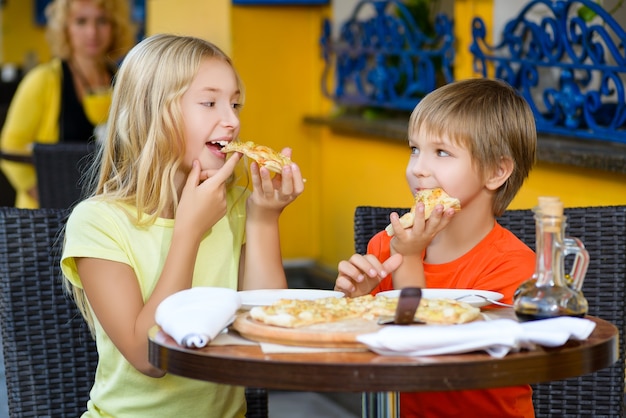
(193, 317)
(497, 337)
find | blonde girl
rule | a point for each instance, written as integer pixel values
(165, 216)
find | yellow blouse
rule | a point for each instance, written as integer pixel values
(32, 117)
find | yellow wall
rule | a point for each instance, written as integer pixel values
(276, 49)
(575, 186)
(20, 35)
(208, 19)
(276, 52)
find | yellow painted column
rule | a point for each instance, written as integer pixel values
(207, 19)
(464, 13)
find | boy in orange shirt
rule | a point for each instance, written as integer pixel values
(476, 139)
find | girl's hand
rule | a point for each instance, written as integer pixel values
(272, 195)
(415, 240)
(362, 273)
(203, 203)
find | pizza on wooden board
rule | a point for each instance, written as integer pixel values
(296, 313)
(263, 155)
(430, 198)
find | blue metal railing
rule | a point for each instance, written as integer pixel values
(382, 59)
(570, 70)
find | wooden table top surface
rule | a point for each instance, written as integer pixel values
(366, 371)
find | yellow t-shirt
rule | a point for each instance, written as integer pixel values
(103, 230)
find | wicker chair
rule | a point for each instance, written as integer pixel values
(59, 169)
(258, 403)
(49, 355)
(603, 231)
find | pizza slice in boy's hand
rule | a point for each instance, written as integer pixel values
(430, 198)
(264, 156)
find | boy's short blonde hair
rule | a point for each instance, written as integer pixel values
(491, 120)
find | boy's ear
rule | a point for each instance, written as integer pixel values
(500, 174)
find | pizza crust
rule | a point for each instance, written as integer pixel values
(430, 198)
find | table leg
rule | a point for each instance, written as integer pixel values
(380, 405)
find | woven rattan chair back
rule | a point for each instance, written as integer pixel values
(258, 403)
(603, 231)
(49, 355)
(60, 169)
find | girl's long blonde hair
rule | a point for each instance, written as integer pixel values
(144, 142)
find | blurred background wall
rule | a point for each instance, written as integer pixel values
(276, 50)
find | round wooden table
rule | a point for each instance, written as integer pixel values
(368, 372)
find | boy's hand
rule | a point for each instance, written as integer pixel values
(415, 240)
(362, 273)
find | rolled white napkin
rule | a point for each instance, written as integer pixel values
(193, 317)
(497, 337)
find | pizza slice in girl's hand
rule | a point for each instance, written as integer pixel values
(430, 198)
(264, 156)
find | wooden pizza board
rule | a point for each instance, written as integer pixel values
(340, 334)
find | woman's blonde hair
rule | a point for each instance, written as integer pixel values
(119, 13)
(491, 120)
(144, 142)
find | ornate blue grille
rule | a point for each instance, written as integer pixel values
(570, 70)
(382, 59)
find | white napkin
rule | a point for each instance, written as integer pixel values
(193, 317)
(497, 337)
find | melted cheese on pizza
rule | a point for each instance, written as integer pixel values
(295, 313)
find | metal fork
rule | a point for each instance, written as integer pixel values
(495, 302)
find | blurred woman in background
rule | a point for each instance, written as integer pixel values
(65, 99)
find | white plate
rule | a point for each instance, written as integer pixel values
(453, 294)
(264, 297)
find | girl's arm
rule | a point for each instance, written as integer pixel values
(112, 288)
(261, 260)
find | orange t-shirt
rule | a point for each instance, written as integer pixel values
(500, 262)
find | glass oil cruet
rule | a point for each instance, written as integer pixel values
(549, 293)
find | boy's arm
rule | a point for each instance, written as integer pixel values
(412, 243)
(410, 273)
